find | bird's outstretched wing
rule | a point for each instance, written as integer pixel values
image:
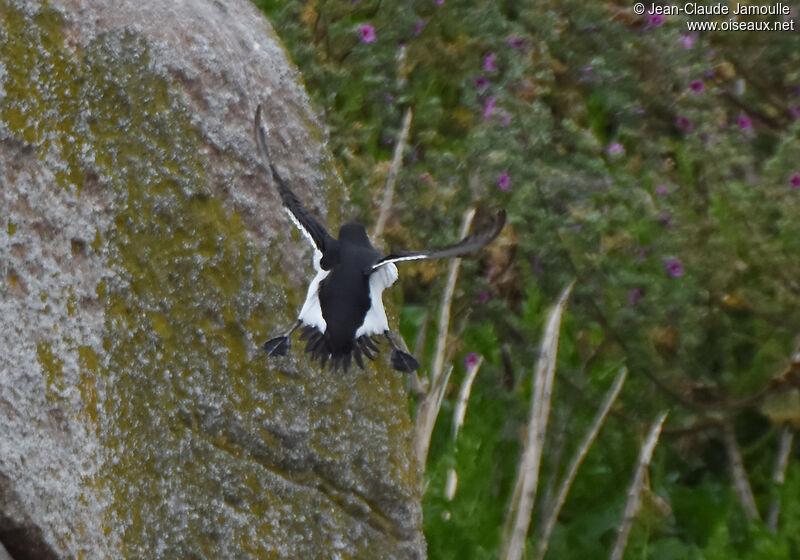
(302, 218)
(470, 243)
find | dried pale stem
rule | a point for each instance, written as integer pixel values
(426, 417)
(635, 490)
(566, 484)
(463, 396)
(556, 447)
(779, 475)
(519, 513)
(447, 303)
(740, 481)
(429, 407)
(391, 178)
(419, 385)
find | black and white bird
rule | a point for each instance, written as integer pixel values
(343, 314)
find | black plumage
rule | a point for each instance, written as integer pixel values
(343, 311)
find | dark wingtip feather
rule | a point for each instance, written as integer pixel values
(317, 348)
(469, 244)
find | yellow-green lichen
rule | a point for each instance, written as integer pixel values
(97, 242)
(190, 291)
(72, 302)
(42, 88)
(52, 368)
(12, 228)
(180, 249)
(90, 368)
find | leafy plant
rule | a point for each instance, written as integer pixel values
(657, 166)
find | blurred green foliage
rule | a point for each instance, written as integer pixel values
(660, 168)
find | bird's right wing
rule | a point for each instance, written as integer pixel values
(470, 243)
(312, 229)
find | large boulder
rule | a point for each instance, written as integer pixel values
(144, 255)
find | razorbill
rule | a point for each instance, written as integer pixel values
(343, 315)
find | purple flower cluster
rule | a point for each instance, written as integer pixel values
(674, 267)
(367, 33)
(616, 150)
(684, 124)
(488, 107)
(655, 20)
(634, 296)
(697, 86)
(504, 182)
(744, 122)
(488, 62)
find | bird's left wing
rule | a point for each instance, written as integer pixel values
(470, 243)
(314, 231)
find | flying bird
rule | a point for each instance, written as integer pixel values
(343, 315)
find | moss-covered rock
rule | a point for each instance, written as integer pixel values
(143, 257)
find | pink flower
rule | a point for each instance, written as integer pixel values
(656, 20)
(488, 107)
(481, 82)
(794, 112)
(504, 181)
(419, 26)
(674, 267)
(688, 41)
(794, 181)
(684, 124)
(482, 297)
(661, 190)
(697, 86)
(488, 62)
(471, 360)
(440, 2)
(516, 43)
(506, 118)
(634, 296)
(367, 33)
(616, 150)
(744, 122)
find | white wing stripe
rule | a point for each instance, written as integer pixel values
(400, 259)
(304, 231)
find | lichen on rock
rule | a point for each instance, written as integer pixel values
(144, 257)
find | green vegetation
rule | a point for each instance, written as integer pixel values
(658, 167)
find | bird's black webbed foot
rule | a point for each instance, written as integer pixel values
(403, 361)
(278, 346)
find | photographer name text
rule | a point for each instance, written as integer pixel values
(693, 9)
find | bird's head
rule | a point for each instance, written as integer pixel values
(355, 233)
